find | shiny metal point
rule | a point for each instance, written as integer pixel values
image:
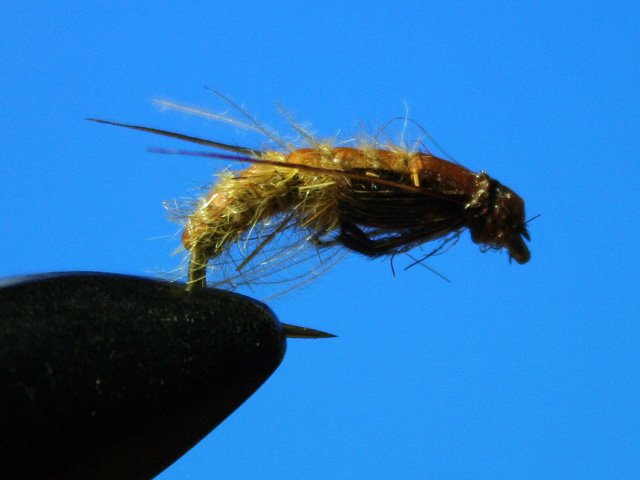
(293, 331)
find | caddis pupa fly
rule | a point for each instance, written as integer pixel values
(370, 196)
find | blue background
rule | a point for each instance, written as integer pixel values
(508, 372)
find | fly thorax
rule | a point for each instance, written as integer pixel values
(481, 194)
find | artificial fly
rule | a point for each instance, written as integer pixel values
(375, 198)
